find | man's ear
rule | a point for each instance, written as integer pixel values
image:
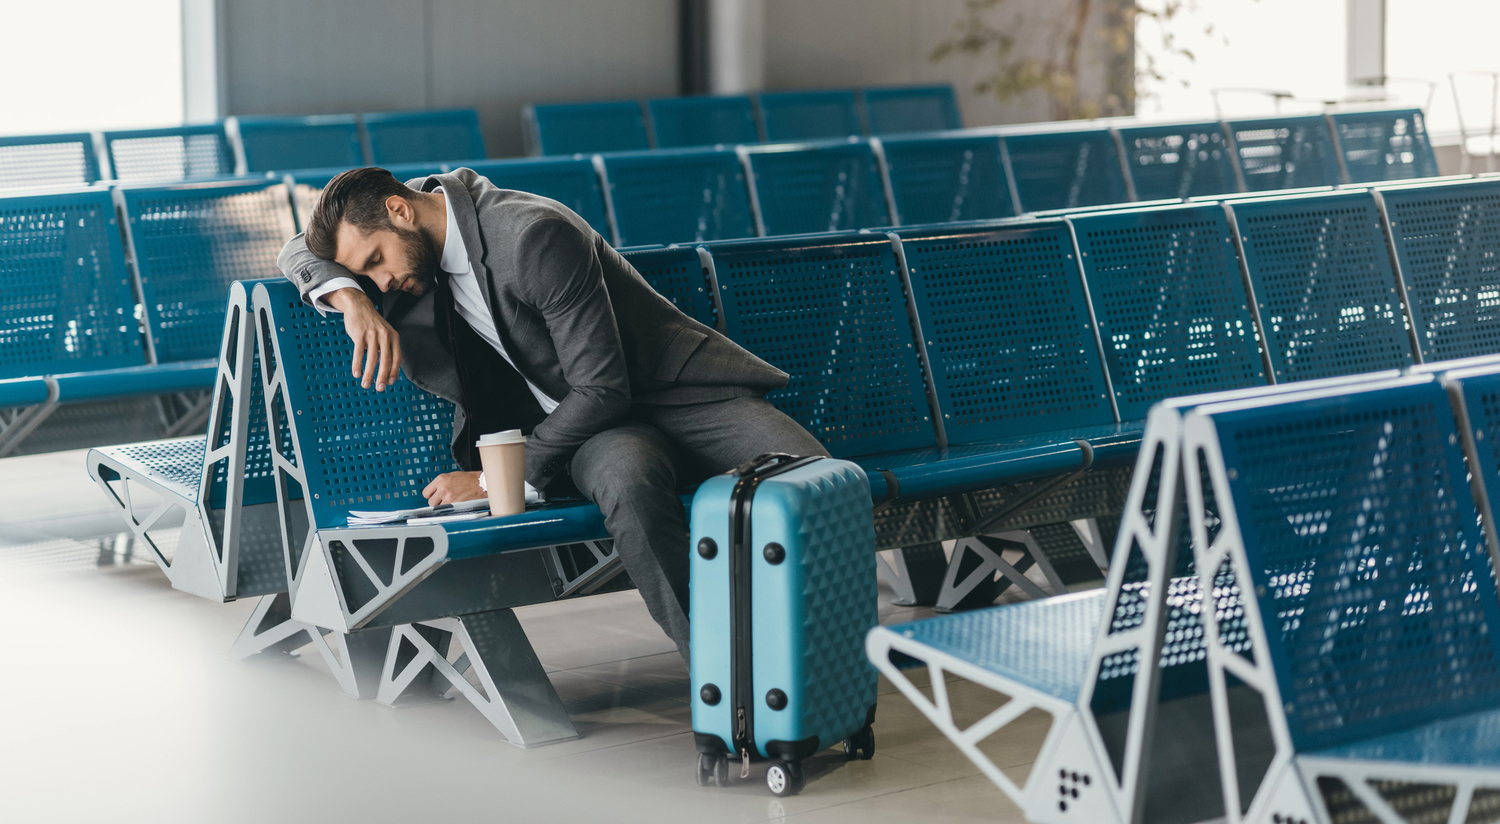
(401, 212)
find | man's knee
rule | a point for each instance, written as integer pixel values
(624, 463)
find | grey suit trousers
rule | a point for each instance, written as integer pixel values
(635, 471)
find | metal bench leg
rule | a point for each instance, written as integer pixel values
(1093, 541)
(987, 549)
(356, 663)
(915, 573)
(15, 425)
(569, 580)
(186, 413)
(514, 692)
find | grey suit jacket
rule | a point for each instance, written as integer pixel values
(578, 320)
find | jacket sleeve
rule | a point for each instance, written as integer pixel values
(305, 270)
(563, 280)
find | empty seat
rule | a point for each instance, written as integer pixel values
(899, 109)
(817, 187)
(1063, 170)
(946, 178)
(1385, 145)
(1285, 152)
(1180, 160)
(278, 144)
(809, 115)
(678, 196)
(581, 128)
(423, 136)
(679, 274)
(181, 153)
(573, 182)
(47, 160)
(681, 122)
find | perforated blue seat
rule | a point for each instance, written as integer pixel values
(1066, 169)
(1179, 161)
(947, 178)
(180, 153)
(189, 242)
(423, 136)
(573, 182)
(809, 115)
(306, 184)
(900, 109)
(1385, 145)
(821, 187)
(1170, 302)
(278, 144)
(1321, 275)
(1285, 152)
(48, 160)
(681, 122)
(678, 196)
(678, 274)
(1446, 238)
(583, 128)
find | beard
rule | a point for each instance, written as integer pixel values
(421, 259)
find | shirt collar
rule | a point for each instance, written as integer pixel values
(455, 259)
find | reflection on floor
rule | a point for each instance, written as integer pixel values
(120, 705)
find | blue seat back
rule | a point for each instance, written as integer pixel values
(1167, 294)
(832, 313)
(942, 179)
(677, 273)
(307, 184)
(259, 487)
(1285, 152)
(1064, 170)
(1371, 578)
(818, 188)
(189, 242)
(48, 160)
(681, 122)
(901, 109)
(1447, 239)
(1385, 145)
(678, 196)
(571, 181)
(181, 153)
(279, 144)
(583, 128)
(423, 136)
(1007, 331)
(359, 449)
(811, 115)
(1321, 275)
(1179, 160)
(66, 303)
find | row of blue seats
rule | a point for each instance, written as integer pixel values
(240, 145)
(777, 117)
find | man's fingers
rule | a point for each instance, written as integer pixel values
(359, 353)
(383, 345)
(370, 346)
(395, 358)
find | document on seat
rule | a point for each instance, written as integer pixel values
(396, 516)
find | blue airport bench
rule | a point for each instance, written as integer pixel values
(178, 153)
(571, 181)
(1384, 145)
(684, 122)
(277, 144)
(902, 109)
(188, 243)
(1065, 170)
(809, 115)
(1179, 160)
(433, 136)
(1320, 275)
(947, 178)
(679, 274)
(678, 196)
(585, 128)
(1285, 152)
(817, 187)
(1445, 238)
(51, 160)
(304, 185)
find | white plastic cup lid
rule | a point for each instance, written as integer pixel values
(509, 436)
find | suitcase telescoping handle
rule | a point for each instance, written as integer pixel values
(769, 460)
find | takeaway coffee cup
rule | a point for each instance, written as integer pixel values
(502, 456)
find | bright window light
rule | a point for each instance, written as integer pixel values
(80, 65)
(1432, 39)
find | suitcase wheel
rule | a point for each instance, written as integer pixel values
(713, 768)
(784, 778)
(860, 745)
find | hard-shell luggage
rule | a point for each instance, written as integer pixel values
(783, 592)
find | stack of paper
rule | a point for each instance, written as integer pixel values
(475, 509)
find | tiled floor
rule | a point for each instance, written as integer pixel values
(120, 705)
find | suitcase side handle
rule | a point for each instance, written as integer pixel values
(768, 460)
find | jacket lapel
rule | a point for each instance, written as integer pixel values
(468, 226)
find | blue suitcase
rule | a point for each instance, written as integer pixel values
(782, 594)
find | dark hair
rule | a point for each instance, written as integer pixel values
(356, 197)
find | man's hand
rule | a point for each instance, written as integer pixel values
(452, 488)
(376, 342)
